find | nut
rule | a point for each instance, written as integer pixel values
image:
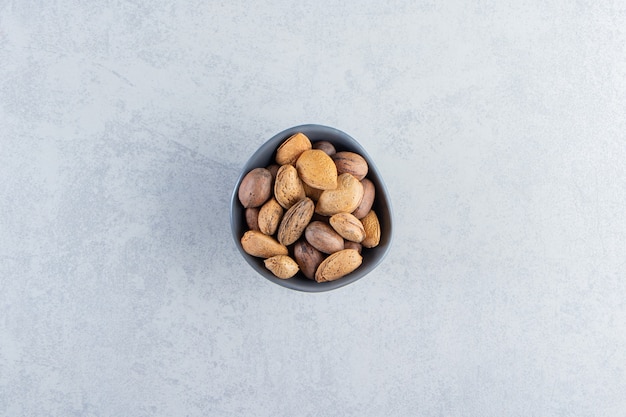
(313, 193)
(288, 189)
(352, 163)
(289, 151)
(344, 199)
(317, 169)
(323, 238)
(270, 215)
(282, 266)
(369, 192)
(252, 218)
(255, 188)
(348, 226)
(353, 245)
(372, 230)
(257, 244)
(338, 265)
(295, 221)
(307, 257)
(325, 146)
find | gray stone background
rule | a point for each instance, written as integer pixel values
(499, 127)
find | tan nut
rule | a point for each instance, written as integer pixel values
(372, 230)
(338, 265)
(344, 199)
(282, 266)
(270, 216)
(317, 169)
(288, 188)
(257, 244)
(289, 151)
(348, 226)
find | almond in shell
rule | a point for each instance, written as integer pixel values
(317, 169)
(372, 230)
(289, 151)
(338, 265)
(270, 216)
(348, 226)
(344, 199)
(282, 266)
(288, 188)
(295, 221)
(257, 244)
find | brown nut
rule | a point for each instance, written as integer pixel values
(273, 169)
(295, 221)
(252, 218)
(282, 266)
(325, 146)
(353, 245)
(369, 192)
(323, 238)
(338, 265)
(288, 188)
(270, 215)
(372, 230)
(255, 188)
(317, 169)
(307, 257)
(352, 163)
(289, 151)
(348, 226)
(344, 199)
(257, 244)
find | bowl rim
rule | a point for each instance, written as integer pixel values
(290, 283)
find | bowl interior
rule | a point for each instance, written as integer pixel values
(264, 156)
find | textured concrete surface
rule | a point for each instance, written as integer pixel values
(498, 125)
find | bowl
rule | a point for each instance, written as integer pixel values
(264, 156)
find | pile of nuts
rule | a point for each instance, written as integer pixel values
(310, 211)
